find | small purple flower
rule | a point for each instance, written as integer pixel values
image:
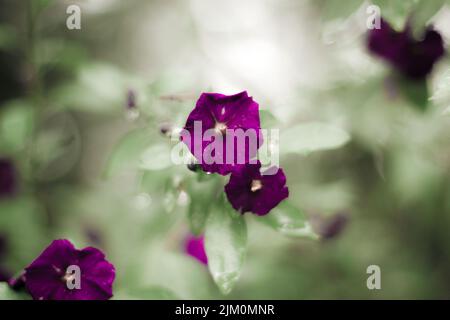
(249, 190)
(48, 277)
(412, 58)
(333, 226)
(7, 178)
(195, 247)
(131, 99)
(221, 115)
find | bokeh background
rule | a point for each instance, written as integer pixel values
(67, 126)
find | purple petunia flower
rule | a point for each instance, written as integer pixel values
(222, 116)
(7, 178)
(412, 58)
(51, 275)
(195, 247)
(249, 190)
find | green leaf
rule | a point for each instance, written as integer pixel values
(127, 153)
(56, 146)
(225, 244)
(415, 92)
(8, 37)
(202, 197)
(6, 293)
(290, 221)
(314, 136)
(446, 111)
(338, 9)
(22, 222)
(268, 120)
(156, 157)
(16, 125)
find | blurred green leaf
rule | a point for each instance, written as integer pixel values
(56, 146)
(268, 119)
(127, 153)
(60, 54)
(22, 223)
(184, 276)
(308, 137)
(6, 293)
(446, 111)
(415, 92)
(156, 157)
(8, 37)
(16, 125)
(202, 198)
(42, 4)
(225, 244)
(338, 9)
(289, 220)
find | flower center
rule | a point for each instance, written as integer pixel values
(256, 185)
(220, 128)
(68, 277)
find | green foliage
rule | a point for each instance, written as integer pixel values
(289, 221)
(415, 92)
(225, 244)
(338, 9)
(309, 137)
(156, 157)
(22, 221)
(202, 194)
(6, 293)
(16, 126)
(127, 154)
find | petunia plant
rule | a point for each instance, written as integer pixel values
(226, 163)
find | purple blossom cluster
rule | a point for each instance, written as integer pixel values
(248, 189)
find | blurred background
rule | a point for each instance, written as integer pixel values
(77, 107)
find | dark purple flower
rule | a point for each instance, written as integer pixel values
(249, 190)
(195, 247)
(221, 115)
(412, 58)
(50, 275)
(131, 99)
(333, 226)
(7, 178)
